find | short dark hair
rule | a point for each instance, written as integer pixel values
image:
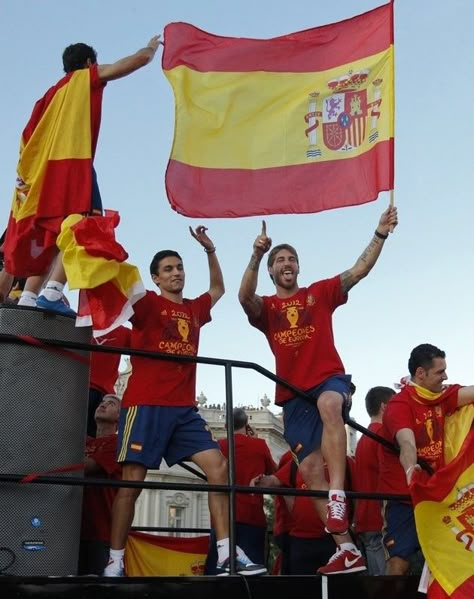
(240, 418)
(159, 256)
(375, 397)
(111, 396)
(422, 356)
(278, 248)
(75, 57)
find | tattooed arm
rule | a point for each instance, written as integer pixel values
(248, 298)
(368, 258)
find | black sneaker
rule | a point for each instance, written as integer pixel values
(243, 566)
(223, 568)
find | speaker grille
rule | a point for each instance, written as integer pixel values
(43, 413)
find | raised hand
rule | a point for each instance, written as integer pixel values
(262, 243)
(388, 220)
(154, 42)
(201, 236)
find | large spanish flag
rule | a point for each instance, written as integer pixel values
(444, 514)
(153, 555)
(96, 264)
(295, 124)
(54, 172)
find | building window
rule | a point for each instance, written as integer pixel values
(175, 518)
(177, 505)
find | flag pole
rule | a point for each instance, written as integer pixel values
(391, 204)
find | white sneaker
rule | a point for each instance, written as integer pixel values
(114, 568)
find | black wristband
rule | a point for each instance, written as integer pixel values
(380, 235)
(211, 251)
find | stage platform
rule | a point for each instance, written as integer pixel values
(348, 586)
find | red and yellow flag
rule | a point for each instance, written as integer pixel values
(95, 263)
(54, 172)
(153, 555)
(444, 515)
(295, 124)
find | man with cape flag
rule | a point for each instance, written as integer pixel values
(55, 174)
(431, 422)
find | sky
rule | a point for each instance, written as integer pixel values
(421, 289)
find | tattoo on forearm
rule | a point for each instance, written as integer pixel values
(254, 264)
(347, 281)
(374, 247)
(363, 266)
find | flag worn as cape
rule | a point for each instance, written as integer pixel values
(153, 555)
(444, 513)
(294, 124)
(95, 263)
(54, 172)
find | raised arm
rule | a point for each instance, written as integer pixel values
(366, 261)
(465, 396)
(129, 64)
(216, 280)
(248, 298)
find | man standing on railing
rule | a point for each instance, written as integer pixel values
(55, 172)
(159, 419)
(297, 323)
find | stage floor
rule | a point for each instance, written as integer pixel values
(349, 586)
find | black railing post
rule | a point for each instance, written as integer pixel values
(231, 465)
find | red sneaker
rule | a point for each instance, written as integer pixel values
(337, 519)
(344, 562)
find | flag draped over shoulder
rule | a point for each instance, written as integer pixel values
(95, 263)
(153, 555)
(444, 513)
(294, 124)
(54, 172)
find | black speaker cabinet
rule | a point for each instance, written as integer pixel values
(43, 413)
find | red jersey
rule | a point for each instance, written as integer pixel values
(300, 334)
(164, 326)
(426, 419)
(97, 501)
(252, 457)
(368, 512)
(105, 366)
(282, 518)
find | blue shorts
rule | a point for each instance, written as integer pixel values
(96, 199)
(148, 434)
(302, 424)
(399, 533)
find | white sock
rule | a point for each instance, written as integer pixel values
(53, 291)
(27, 298)
(339, 492)
(117, 554)
(223, 549)
(348, 547)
